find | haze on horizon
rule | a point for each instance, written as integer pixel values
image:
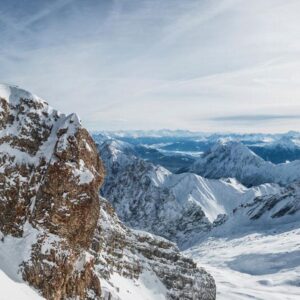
(201, 65)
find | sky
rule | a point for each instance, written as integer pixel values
(201, 65)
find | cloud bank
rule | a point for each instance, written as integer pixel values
(150, 64)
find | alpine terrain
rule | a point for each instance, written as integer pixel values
(247, 237)
(179, 207)
(57, 235)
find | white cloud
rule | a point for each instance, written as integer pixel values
(153, 64)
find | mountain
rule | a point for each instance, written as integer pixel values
(233, 159)
(248, 238)
(286, 148)
(276, 148)
(255, 253)
(170, 160)
(149, 133)
(179, 207)
(57, 234)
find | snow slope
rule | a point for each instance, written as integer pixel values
(255, 254)
(13, 251)
(233, 159)
(263, 265)
(12, 290)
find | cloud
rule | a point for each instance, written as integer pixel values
(150, 64)
(254, 118)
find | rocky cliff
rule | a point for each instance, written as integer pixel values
(67, 242)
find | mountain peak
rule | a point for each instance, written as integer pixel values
(234, 159)
(13, 94)
(233, 148)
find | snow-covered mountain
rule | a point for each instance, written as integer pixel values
(57, 234)
(180, 207)
(248, 238)
(150, 133)
(233, 159)
(255, 253)
(277, 148)
(170, 160)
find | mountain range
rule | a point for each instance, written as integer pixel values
(223, 224)
(137, 215)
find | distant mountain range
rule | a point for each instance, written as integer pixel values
(176, 150)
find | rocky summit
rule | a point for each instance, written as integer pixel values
(57, 234)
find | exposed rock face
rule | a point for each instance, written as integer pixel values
(134, 252)
(71, 244)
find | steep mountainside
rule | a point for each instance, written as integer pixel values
(57, 234)
(180, 207)
(233, 159)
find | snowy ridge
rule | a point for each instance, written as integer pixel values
(233, 159)
(13, 94)
(30, 117)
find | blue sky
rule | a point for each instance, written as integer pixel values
(205, 65)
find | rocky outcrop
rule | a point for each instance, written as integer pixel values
(132, 253)
(70, 243)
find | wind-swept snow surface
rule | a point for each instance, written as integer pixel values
(262, 266)
(12, 290)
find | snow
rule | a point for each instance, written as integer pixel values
(262, 265)
(13, 94)
(84, 175)
(12, 290)
(85, 258)
(214, 196)
(147, 287)
(13, 251)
